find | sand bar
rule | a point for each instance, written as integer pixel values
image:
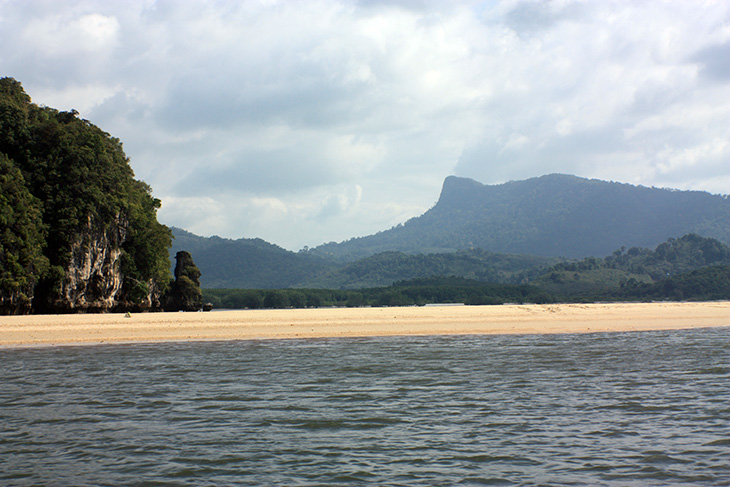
(44, 330)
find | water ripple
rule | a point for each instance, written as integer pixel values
(602, 409)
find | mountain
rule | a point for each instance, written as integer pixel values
(553, 215)
(247, 263)
(256, 264)
(503, 233)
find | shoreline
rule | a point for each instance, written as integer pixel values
(95, 329)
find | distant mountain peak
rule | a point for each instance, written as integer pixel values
(454, 188)
(551, 215)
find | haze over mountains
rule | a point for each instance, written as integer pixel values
(469, 231)
(555, 215)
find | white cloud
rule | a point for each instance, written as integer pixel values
(263, 118)
(62, 35)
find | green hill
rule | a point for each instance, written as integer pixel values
(388, 267)
(689, 268)
(256, 264)
(638, 273)
(247, 263)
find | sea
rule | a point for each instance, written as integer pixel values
(615, 409)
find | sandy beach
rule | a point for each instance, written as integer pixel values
(44, 330)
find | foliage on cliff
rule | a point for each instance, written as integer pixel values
(84, 190)
(21, 242)
(185, 294)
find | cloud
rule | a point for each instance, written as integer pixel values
(305, 122)
(62, 35)
(530, 17)
(338, 204)
(607, 91)
(713, 60)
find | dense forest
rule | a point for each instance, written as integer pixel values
(250, 263)
(79, 232)
(705, 284)
(688, 268)
(630, 272)
(388, 267)
(247, 263)
(416, 292)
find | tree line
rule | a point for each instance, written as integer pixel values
(688, 268)
(406, 293)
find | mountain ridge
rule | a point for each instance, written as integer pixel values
(537, 218)
(555, 215)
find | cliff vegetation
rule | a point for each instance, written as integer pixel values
(77, 231)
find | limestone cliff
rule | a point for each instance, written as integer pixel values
(79, 233)
(92, 279)
(185, 294)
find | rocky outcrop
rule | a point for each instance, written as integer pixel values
(93, 278)
(185, 294)
(79, 234)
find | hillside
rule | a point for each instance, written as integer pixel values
(385, 268)
(689, 268)
(256, 264)
(554, 215)
(638, 273)
(247, 263)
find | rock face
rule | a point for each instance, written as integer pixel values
(93, 278)
(185, 294)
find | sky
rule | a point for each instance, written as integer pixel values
(305, 122)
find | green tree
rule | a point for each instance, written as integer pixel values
(22, 261)
(145, 248)
(276, 299)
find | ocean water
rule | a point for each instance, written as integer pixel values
(600, 409)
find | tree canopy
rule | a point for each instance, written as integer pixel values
(22, 240)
